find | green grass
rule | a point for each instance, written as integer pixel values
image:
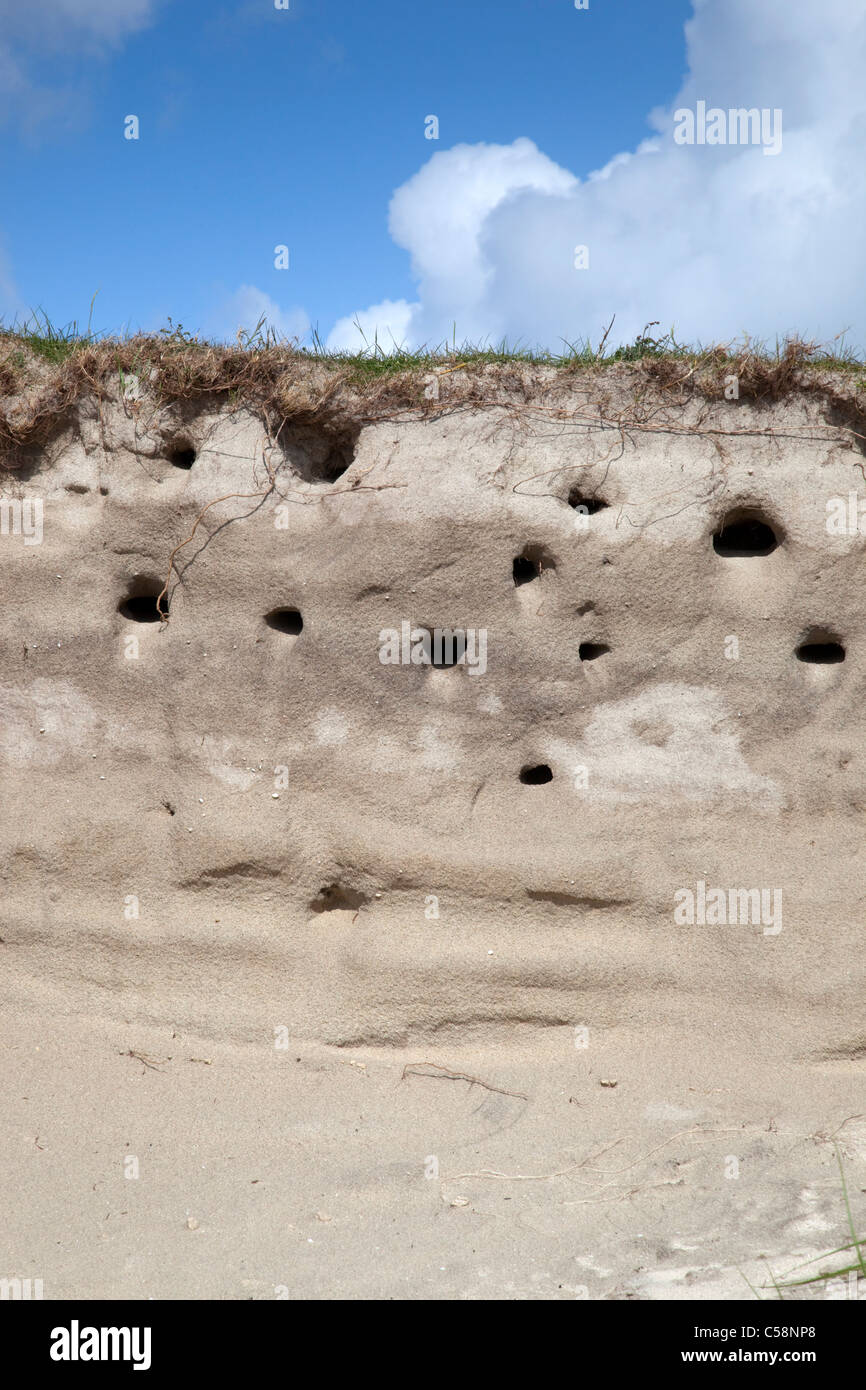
(857, 1265)
(56, 344)
(856, 1244)
(45, 339)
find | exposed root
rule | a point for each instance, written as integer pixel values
(445, 1074)
(336, 399)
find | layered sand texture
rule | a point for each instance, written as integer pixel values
(382, 970)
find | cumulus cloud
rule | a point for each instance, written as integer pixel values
(76, 21)
(71, 28)
(715, 239)
(248, 307)
(384, 326)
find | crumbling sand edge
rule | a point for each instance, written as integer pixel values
(38, 397)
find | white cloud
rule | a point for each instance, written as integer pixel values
(247, 306)
(73, 21)
(385, 324)
(68, 27)
(438, 216)
(717, 240)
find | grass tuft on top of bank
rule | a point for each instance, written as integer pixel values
(46, 370)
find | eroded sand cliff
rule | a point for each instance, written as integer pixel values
(265, 849)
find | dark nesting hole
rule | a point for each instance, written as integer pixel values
(286, 620)
(533, 560)
(744, 535)
(333, 465)
(820, 649)
(849, 413)
(334, 897)
(182, 455)
(139, 605)
(536, 776)
(591, 505)
(448, 649)
(320, 456)
(524, 570)
(23, 459)
(591, 651)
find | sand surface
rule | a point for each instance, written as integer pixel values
(309, 1173)
(305, 993)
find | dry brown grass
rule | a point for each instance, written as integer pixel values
(38, 398)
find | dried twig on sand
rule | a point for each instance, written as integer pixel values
(445, 1074)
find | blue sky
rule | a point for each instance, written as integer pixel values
(261, 127)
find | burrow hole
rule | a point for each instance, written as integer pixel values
(182, 454)
(138, 605)
(334, 897)
(320, 456)
(335, 463)
(588, 503)
(446, 655)
(287, 620)
(535, 774)
(820, 648)
(745, 533)
(531, 563)
(591, 651)
(446, 650)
